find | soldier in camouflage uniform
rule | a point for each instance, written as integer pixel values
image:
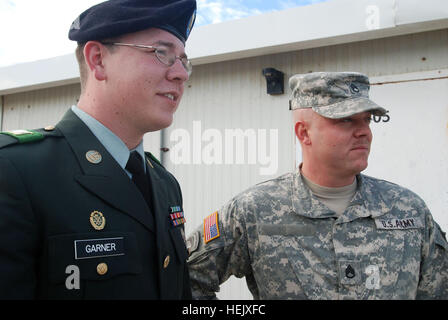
(325, 231)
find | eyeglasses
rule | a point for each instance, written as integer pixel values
(164, 55)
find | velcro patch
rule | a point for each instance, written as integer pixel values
(398, 224)
(93, 248)
(193, 242)
(211, 229)
(350, 272)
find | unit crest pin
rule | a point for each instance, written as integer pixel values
(97, 220)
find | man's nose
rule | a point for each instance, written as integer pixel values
(363, 129)
(177, 71)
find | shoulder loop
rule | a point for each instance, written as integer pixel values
(149, 154)
(12, 137)
(24, 136)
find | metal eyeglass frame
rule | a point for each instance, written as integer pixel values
(184, 60)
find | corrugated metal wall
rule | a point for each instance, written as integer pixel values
(232, 95)
(412, 148)
(39, 108)
(36, 109)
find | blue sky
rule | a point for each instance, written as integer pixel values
(37, 29)
(215, 11)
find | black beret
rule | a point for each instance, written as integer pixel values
(116, 17)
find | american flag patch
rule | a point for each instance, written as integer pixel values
(211, 229)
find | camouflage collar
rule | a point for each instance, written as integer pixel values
(304, 203)
(368, 201)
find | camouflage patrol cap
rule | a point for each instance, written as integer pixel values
(333, 95)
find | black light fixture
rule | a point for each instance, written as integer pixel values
(274, 81)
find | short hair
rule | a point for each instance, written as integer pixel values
(79, 52)
(83, 69)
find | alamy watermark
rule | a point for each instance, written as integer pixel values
(373, 17)
(72, 280)
(225, 147)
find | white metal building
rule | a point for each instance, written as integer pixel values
(401, 44)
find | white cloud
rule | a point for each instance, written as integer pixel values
(216, 11)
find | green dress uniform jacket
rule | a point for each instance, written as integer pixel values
(62, 215)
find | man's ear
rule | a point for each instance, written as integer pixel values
(94, 55)
(301, 130)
